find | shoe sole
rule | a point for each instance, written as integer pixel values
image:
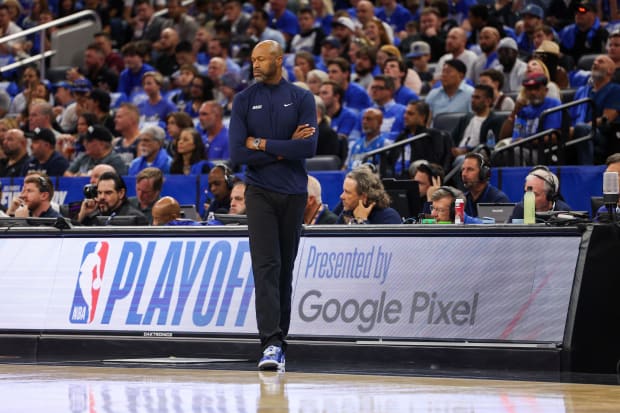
(269, 365)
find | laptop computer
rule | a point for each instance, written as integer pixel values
(500, 212)
(189, 212)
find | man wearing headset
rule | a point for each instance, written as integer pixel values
(546, 187)
(442, 208)
(221, 180)
(475, 174)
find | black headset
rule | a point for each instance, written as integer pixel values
(229, 177)
(547, 176)
(453, 204)
(485, 168)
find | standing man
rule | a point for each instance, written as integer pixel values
(273, 130)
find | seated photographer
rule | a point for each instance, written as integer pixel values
(35, 198)
(110, 200)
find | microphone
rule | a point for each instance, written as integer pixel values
(610, 193)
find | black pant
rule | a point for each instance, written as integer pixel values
(274, 223)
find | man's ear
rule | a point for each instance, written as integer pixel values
(364, 198)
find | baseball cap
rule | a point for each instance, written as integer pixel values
(533, 10)
(344, 21)
(82, 86)
(535, 79)
(585, 6)
(63, 84)
(417, 49)
(98, 132)
(508, 43)
(43, 134)
(332, 41)
(457, 64)
(547, 46)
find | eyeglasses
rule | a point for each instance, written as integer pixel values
(440, 210)
(378, 87)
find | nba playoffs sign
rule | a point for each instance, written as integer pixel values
(157, 284)
(483, 288)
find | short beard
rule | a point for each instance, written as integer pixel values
(598, 75)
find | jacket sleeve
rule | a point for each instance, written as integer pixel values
(298, 148)
(237, 135)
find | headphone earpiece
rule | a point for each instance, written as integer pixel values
(229, 178)
(485, 168)
(549, 178)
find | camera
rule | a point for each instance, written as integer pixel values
(90, 191)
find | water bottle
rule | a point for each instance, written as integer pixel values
(491, 139)
(459, 211)
(529, 208)
(211, 218)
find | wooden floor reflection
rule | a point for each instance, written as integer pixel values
(51, 389)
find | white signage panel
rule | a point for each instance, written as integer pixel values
(485, 288)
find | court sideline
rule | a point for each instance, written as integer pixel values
(220, 386)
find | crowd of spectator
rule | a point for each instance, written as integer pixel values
(156, 85)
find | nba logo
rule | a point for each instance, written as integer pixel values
(89, 281)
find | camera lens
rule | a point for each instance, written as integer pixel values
(90, 191)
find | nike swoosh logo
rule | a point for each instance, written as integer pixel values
(286, 105)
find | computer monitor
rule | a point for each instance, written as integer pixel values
(498, 211)
(189, 212)
(405, 196)
(117, 220)
(232, 219)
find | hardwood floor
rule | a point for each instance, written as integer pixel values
(68, 388)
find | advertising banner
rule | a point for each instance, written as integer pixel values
(495, 288)
(478, 288)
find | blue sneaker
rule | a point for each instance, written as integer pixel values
(273, 359)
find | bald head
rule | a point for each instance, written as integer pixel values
(489, 39)
(267, 62)
(371, 122)
(169, 38)
(456, 41)
(165, 210)
(272, 47)
(99, 170)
